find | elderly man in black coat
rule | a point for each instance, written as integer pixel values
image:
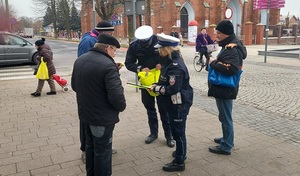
(100, 98)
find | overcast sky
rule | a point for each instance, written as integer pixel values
(24, 8)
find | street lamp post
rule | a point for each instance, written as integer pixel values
(94, 13)
(267, 34)
(134, 14)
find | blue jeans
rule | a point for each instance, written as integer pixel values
(225, 117)
(98, 150)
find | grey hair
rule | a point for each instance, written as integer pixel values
(101, 46)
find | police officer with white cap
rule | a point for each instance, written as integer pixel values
(176, 95)
(142, 56)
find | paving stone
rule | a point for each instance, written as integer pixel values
(40, 136)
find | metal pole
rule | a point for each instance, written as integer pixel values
(94, 13)
(134, 15)
(267, 31)
(133, 28)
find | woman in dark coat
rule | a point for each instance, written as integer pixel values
(45, 52)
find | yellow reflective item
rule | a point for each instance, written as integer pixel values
(149, 78)
(42, 72)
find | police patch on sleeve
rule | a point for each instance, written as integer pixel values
(172, 80)
(162, 90)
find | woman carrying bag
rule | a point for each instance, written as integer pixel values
(44, 53)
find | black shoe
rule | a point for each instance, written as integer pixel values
(172, 167)
(218, 150)
(149, 139)
(217, 140)
(174, 154)
(51, 93)
(36, 94)
(171, 143)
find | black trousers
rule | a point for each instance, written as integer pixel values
(98, 150)
(204, 52)
(82, 136)
(149, 104)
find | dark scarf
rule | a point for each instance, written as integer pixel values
(226, 41)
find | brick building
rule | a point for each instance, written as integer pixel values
(163, 14)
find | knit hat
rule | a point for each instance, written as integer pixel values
(225, 27)
(108, 39)
(40, 42)
(104, 26)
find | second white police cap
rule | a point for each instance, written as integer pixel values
(166, 40)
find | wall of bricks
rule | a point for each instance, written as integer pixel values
(164, 13)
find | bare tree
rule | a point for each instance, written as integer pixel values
(105, 8)
(40, 7)
(148, 12)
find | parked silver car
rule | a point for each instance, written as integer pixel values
(15, 50)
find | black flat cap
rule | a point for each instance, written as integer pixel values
(108, 39)
(104, 26)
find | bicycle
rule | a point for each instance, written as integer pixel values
(199, 63)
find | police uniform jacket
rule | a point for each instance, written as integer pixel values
(139, 56)
(174, 82)
(228, 62)
(99, 91)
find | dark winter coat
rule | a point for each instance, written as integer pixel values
(99, 91)
(139, 56)
(174, 79)
(45, 52)
(232, 57)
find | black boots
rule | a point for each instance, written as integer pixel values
(171, 142)
(51, 93)
(149, 139)
(36, 94)
(173, 166)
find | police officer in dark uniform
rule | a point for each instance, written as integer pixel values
(142, 56)
(176, 94)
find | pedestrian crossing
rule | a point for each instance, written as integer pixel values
(26, 72)
(16, 72)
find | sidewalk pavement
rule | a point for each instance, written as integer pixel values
(40, 137)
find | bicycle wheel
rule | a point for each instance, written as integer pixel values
(198, 65)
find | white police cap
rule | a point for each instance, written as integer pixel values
(166, 40)
(143, 32)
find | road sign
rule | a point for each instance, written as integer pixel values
(115, 22)
(13, 20)
(114, 17)
(228, 13)
(140, 7)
